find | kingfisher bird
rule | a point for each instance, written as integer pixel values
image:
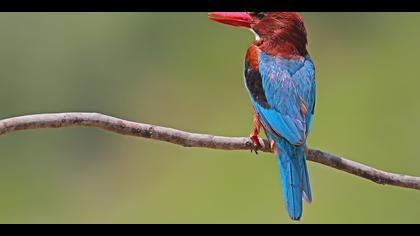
(279, 76)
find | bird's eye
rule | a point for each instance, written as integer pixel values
(259, 15)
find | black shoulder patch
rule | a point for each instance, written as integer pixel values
(254, 85)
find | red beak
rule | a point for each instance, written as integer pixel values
(232, 18)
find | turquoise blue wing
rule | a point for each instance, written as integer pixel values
(289, 90)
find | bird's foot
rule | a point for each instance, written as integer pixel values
(256, 145)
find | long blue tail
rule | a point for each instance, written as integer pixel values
(294, 177)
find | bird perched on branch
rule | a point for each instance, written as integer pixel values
(280, 79)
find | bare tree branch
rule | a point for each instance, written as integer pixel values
(186, 139)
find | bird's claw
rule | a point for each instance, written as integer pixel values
(256, 145)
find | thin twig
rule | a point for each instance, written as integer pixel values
(186, 139)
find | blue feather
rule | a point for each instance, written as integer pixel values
(287, 85)
(294, 176)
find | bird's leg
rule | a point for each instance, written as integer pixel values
(273, 146)
(256, 145)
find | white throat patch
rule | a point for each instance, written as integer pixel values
(257, 37)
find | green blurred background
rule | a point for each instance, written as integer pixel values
(183, 71)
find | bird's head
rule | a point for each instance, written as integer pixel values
(277, 33)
